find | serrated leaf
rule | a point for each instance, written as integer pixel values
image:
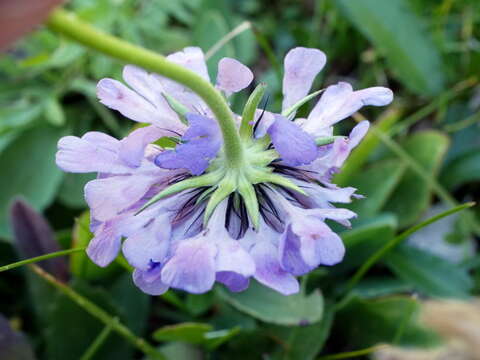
(429, 274)
(269, 306)
(411, 54)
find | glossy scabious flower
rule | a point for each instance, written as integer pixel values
(185, 217)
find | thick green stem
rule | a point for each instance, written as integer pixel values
(70, 26)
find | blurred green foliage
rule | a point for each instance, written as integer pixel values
(425, 149)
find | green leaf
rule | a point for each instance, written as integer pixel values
(71, 190)
(199, 304)
(269, 306)
(304, 342)
(368, 322)
(412, 196)
(192, 333)
(195, 333)
(29, 170)
(53, 111)
(411, 54)
(430, 274)
(210, 27)
(364, 240)
(376, 192)
(462, 170)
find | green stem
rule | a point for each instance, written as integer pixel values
(69, 25)
(98, 342)
(352, 354)
(372, 260)
(40, 258)
(100, 314)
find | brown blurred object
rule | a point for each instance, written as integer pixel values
(457, 322)
(18, 17)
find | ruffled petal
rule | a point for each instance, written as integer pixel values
(202, 141)
(289, 254)
(104, 247)
(301, 67)
(192, 266)
(94, 152)
(268, 269)
(294, 145)
(108, 196)
(233, 76)
(142, 279)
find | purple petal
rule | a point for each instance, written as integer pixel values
(132, 148)
(233, 76)
(301, 67)
(104, 247)
(94, 152)
(150, 244)
(147, 285)
(294, 145)
(108, 196)
(265, 119)
(358, 133)
(202, 142)
(339, 102)
(289, 254)
(192, 266)
(233, 281)
(268, 269)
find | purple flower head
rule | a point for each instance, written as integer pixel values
(181, 216)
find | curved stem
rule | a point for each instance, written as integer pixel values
(68, 24)
(40, 258)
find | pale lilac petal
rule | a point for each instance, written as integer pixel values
(82, 155)
(148, 86)
(294, 145)
(202, 141)
(233, 76)
(104, 247)
(155, 287)
(150, 244)
(268, 269)
(231, 257)
(108, 196)
(301, 67)
(193, 59)
(375, 96)
(358, 133)
(192, 266)
(339, 102)
(132, 148)
(117, 96)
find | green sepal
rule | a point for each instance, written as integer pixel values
(249, 110)
(281, 181)
(225, 188)
(247, 191)
(327, 140)
(297, 105)
(178, 107)
(190, 183)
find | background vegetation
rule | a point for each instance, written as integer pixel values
(421, 158)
